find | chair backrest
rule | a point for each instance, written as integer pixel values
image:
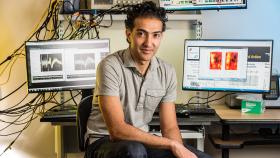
(83, 112)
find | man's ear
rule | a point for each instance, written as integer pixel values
(128, 35)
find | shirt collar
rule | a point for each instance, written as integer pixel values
(128, 61)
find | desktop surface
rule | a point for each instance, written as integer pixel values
(232, 116)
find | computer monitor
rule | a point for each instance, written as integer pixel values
(63, 64)
(227, 65)
(177, 5)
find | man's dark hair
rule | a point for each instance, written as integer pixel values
(145, 9)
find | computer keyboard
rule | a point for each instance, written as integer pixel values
(183, 110)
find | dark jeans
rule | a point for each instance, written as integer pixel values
(104, 148)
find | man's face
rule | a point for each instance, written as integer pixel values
(144, 38)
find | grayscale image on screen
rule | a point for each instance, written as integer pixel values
(51, 62)
(84, 61)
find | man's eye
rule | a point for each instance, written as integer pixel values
(157, 35)
(141, 34)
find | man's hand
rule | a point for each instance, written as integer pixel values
(180, 151)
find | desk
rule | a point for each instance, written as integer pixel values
(66, 137)
(66, 124)
(234, 117)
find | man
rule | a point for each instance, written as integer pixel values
(130, 85)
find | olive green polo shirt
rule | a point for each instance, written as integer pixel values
(139, 95)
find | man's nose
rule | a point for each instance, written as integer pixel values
(148, 40)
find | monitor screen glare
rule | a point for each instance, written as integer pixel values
(227, 65)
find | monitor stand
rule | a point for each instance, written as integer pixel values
(65, 106)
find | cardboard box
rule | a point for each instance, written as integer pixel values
(252, 107)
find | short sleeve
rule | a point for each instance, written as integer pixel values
(171, 86)
(107, 78)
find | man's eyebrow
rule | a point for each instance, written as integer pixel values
(148, 32)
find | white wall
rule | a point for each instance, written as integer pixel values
(261, 20)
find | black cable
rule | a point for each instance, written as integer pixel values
(9, 73)
(7, 59)
(73, 98)
(211, 100)
(198, 97)
(18, 102)
(12, 55)
(12, 123)
(55, 98)
(63, 102)
(97, 32)
(101, 14)
(53, 10)
(19, 133)
(70, 24)
(13, 91)
(5, 68)
(16, 109)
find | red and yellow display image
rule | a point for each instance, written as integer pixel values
(215, 60)
(231, 60)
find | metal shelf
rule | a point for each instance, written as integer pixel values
(121, 17)
(171, 17)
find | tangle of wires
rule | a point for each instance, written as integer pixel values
(206, 100)
(20, 115)
(80, 25)
(50, 25)
(86, 24)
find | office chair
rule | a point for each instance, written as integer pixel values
(83, 112)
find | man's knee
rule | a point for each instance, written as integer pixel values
(132, 149)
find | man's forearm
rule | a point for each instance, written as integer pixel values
(128, 132)
(173, 134)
